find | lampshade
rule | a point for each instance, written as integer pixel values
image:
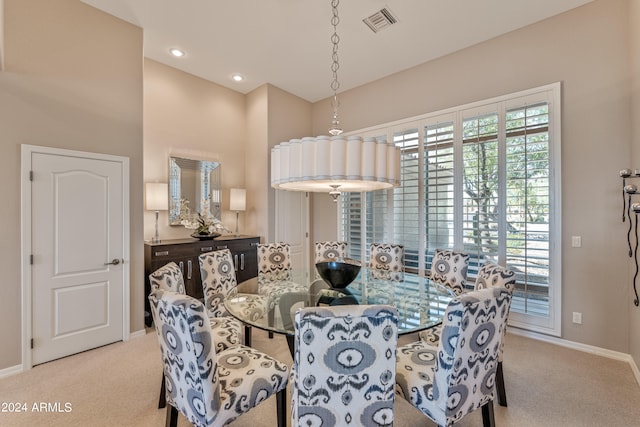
(237, 199)
(346, 163)
(157, 196)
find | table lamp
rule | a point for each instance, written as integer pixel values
(237, 202)
(156, 199)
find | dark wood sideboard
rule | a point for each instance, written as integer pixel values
(185, 253)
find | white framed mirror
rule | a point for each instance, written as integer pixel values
(198, 182)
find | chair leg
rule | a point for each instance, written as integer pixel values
(247, 335)
(162, 400)
(281, 407)
(488, 418)
(271, 320)
(172, 417)
(502, 393)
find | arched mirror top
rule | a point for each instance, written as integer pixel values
(196, 181)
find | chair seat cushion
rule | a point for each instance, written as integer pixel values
(431, 336)
(416, 363)
(251, 306)
(274, 290)
(227, 332)
(243, 373)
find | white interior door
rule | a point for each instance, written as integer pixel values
(77, 220)
(292, 226)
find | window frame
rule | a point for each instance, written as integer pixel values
(551, 94)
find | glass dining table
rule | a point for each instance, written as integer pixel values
(420, 302)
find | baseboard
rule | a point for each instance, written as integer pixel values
(12, 370)
(616, 355)
(635, 370)
(138, 334)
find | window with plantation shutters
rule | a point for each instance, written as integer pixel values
(484, 179)
(480, 195)
(528, 205)
(439, 201)
(407, 221)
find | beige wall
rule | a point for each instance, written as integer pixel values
(289, 117)
(257, 162)
(190, 117)
(273, 116)
(587, 50)
(63, 90)
(634, 36)
(1, 35)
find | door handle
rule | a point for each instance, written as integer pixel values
(189, 269)
(241, 261)
(115, 261)
(235, 262)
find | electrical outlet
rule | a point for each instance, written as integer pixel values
(577, 317)
(576, 241)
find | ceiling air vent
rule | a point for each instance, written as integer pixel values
(380, 20)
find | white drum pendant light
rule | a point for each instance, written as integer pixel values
(336, 163)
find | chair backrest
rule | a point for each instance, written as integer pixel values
(218, 275)
(168, 278)
(188, 355)
(274, 262)
(330, 250)
(450, 269)
(344, 365)
(492, 275)
(386, 261)
(468, 350)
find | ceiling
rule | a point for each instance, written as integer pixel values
(287, 42)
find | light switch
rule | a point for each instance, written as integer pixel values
(576, 241)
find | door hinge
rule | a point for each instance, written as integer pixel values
(31, 343)
(31, 259)
(30, 175)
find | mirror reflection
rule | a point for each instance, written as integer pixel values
(198, 182)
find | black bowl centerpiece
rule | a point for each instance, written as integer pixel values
(339, 272)
(205, 235)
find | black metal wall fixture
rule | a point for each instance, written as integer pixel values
(630, 190)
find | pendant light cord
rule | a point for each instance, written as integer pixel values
(335, 65)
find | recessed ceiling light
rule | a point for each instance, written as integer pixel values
(237, 77)
(176, 52)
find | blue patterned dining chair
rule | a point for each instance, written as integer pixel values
(344, 366)
(218, 280)
(458, 376)
(274, 263)
(450, 269)
(227, 331)
(386, 261)
(490, 275)
(328, 250)
(209, 387)
(274, 275)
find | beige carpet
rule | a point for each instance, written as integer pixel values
(118, 385)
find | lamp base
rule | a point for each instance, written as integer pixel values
(156, 238)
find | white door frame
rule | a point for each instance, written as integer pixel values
(25, 239)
